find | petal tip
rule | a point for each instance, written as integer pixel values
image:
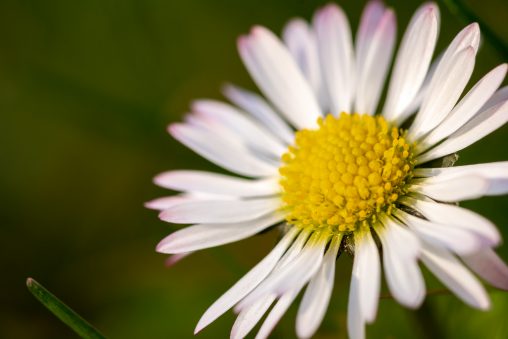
(162, 246)
(174, 129)
(151, 205)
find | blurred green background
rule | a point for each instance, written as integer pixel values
(86, 91)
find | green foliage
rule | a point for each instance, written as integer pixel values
(62, 311)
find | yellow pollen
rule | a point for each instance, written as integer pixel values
(341, 175)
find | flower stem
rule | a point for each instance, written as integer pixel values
(459, 9)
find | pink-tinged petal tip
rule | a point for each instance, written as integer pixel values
(242, 43)
(329, 12)
(258, 31)
(152, 204)
(174, 129)
(166, 245)
(165, 216)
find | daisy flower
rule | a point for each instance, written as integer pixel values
(318, 156)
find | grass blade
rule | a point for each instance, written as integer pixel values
(62, 311)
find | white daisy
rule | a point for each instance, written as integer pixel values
(341, 174)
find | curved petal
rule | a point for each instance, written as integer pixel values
(275, 72)
(448, 81)
(457, 239)
(444, 90)
(355, 319)
(467, 106)
(481, 125)
(374, 53)
(214, 183)
(452, 189)
(300, 39)
(249, 317)
(261, 110)
(303, 266)
(247, 283)
(500, 96)
(369, 22)
(248, 130)
(337, 56)
(160, 204)
(455, 276)
(219, 211)
(488, 265)
(457, 216)
(367, 271)
(202, 236)
(401, 249)
(412, 61)
(276, 313)
(219, 151)
(317, 295)
(496, 173)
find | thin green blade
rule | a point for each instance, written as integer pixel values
(62, 311)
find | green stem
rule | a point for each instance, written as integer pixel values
(458, 8)
(62, 311)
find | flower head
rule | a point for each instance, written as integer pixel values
(340, 174)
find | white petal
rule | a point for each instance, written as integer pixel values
(366, 268)
(202, 236)
(292, 252)
(481, 125)
(250, 316)
(248, 130)
(274, 70)
(276, 313)
(336, 56)
(231, 156)
(355, 320)
(261, 110)
(457, 239)
(219, 211)
(213, 183)
(444, 90)
(401, 250)
(488, 265)
(467, 107)
(500, 96)
(369, 22)
(412, 61)
(301, 42)
(455, 276)
(373, 59)
(317, 295)
(449, 80)
(422, 92)
(297, 271)
(248, 282)
(163, 203)
(456, 216)
(495, 173)
(453, 189)
(489, 170)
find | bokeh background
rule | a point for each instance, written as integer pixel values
(86, 91)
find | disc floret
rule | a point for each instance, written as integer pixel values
(341, 175)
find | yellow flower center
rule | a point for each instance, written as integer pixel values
(341, 175)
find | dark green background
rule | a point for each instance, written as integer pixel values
(86, 91)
